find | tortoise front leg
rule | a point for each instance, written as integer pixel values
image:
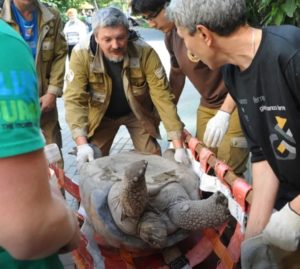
(193, 215)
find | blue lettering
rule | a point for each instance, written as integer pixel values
(18, 83)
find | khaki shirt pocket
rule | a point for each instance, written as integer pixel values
(139, 85)
(97, 90)
(139, 88)
(97, 98)
(136, 73)
(239, 142)
(47, 50)
(140, 91)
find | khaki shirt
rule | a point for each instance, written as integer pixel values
(145, 84)
(51, 51)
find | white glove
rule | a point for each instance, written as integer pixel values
(283, 229)
(181, 156)
(84, 153)
(216, 128)
(255, 254)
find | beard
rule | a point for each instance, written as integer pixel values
(116, 55)
(115, 59)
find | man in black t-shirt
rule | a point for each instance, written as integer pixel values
(262, 75)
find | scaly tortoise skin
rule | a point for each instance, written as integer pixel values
(146, 201)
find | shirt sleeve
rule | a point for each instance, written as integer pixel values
(292, 74)
(173, 60)
(19, 105)
(161, 95)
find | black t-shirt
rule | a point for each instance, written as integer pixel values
(268, 98)
(118, 105)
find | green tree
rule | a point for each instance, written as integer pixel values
(267, 12)
(122, 4)
(64, 5)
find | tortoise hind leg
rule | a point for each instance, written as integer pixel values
(198, 214)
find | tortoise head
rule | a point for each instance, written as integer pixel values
(136, 171)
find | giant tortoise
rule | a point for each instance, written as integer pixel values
(144, 201)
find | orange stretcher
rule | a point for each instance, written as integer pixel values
(200, 248)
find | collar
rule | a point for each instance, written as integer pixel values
(42, 10)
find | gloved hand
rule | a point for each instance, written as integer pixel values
(257, 255)
(283, 229)
(181, 156)
(84, 153)
(216, 128)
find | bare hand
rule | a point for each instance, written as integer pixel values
(75, 240)
(47, 102)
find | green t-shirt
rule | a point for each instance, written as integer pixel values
(19, 119)
(8, 262)
(19, 104)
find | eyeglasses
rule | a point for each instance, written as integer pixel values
(152, 15)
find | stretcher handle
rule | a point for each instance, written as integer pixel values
(230, 177)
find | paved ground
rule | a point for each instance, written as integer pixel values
(187, 107)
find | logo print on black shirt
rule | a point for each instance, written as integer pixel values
(282, 141)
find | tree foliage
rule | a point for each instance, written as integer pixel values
(261, 12)
(267, 12)
(64, 5)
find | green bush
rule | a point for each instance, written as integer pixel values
(268, 12)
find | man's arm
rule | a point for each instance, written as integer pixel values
(254, 253)
(265, 187)
(37, 221)
(161, 95)
(228, 105)
(162, 99)
(56, 79)
(76, 97)
(76, 106)
(176, 77)
(295, 205)
(177, 81)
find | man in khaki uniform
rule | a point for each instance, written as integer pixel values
(41, 28)
(116, 79)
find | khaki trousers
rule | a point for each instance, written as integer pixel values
(233, 148)
(289, 260)
(51, 130)
(106, 132)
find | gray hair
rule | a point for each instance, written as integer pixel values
(220, 16)
(109, 17)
